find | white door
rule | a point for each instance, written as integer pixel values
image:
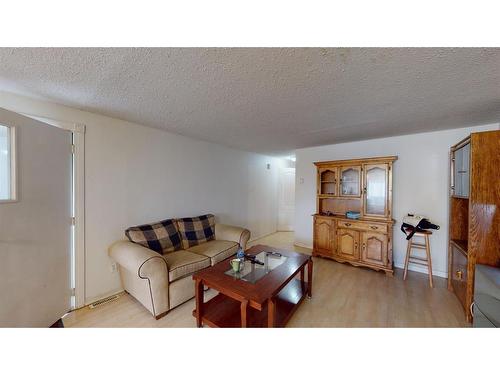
(35, 228)
(286, 207)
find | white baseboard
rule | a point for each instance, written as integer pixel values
(300, 244)
(422, 269)
(259, 237)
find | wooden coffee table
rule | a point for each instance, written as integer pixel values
(268, 302)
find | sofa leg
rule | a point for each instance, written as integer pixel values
(161, 315)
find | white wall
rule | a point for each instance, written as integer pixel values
(420, 183)
(135, 175)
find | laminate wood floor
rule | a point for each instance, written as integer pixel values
(343, 296)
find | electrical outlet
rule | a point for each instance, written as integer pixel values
(114, 267)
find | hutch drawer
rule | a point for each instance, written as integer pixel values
(372, 227)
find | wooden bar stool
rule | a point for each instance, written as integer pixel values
(419, 260)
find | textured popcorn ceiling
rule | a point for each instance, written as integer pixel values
(269, 100)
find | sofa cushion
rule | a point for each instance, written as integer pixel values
(216, 250)
(196, 230)
(162, 236)
(183, 263)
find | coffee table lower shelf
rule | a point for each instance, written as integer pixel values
(224, 312)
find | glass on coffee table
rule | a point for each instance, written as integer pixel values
(252, 272)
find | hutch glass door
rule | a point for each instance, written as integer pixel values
(461, 172)
(328, 181)
(376, 190)
(350, 178)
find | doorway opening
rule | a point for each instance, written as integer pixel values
(286, 195)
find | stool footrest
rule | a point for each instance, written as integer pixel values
(419, 258)
(418, 262)
(418, 245)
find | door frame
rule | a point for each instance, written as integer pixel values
(78, 258)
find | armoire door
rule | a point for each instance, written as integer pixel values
(466, 170)
(461, 171)
(348, 244)
(459, 274)
(374, 248)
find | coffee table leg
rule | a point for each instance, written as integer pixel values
(199, 303)
(271, 313)
(309, 277)
(303, 279)
(243, 308)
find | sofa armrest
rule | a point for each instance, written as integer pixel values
(232, 233)
(144, 275)
(137, 258)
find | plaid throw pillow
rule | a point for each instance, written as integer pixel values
(196, 230)
(162, 237)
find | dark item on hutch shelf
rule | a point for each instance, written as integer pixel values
(416, 223)
(327, 213)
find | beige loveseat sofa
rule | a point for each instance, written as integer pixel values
(157, 261)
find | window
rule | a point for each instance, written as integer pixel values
(7, 169)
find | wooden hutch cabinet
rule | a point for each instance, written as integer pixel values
(474, 232)
(363, 185)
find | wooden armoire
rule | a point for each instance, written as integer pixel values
(474, 231)
(365, 186)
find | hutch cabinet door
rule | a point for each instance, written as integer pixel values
(324, 239)
(327, 181)
(374, 248)
(350, 181)
(348, 244)
(376, 190)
